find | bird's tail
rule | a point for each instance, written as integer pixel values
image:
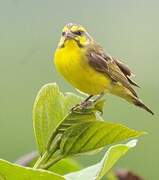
(140, 104)
(124, 93)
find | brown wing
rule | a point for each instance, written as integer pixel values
(127, 72)
(105, 64)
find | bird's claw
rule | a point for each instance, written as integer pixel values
(83, 105)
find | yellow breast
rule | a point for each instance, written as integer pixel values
(72, 63)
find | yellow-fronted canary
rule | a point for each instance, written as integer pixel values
(85, 64)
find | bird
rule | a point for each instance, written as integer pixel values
(90, 69)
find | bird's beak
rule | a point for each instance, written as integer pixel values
(69, 35)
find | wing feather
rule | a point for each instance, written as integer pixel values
(127, 72)
(106, 64)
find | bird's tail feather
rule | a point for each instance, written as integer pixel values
(124, 93)
(140, 104)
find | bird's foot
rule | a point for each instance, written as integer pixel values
(90, 104)
(74, 108)
(83, 105)
(86, 104)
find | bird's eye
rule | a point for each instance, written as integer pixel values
(63, 33)
(78, 33)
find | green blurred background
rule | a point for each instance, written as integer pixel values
(29, 32)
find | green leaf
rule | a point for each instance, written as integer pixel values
(65, 166)
(112, 156)
(70, 100)
(73, 117)
(96, 172)
(61, 132)
(82, 132)
(62, 167)
(50, 108)
(9, 171)
(92, 135)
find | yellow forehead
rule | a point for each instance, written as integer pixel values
(73, 28)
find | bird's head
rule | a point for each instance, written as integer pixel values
(74, 34)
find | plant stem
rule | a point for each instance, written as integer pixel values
(51, 163)
(43, 163)
(40, 160)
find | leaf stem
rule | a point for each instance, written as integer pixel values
(47, 160)
(51, 163)
(40, 160)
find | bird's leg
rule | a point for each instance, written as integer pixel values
(87, 103)
(88, 98)
(83, 103)
(99, 97)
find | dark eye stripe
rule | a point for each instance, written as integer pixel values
(78, 33)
